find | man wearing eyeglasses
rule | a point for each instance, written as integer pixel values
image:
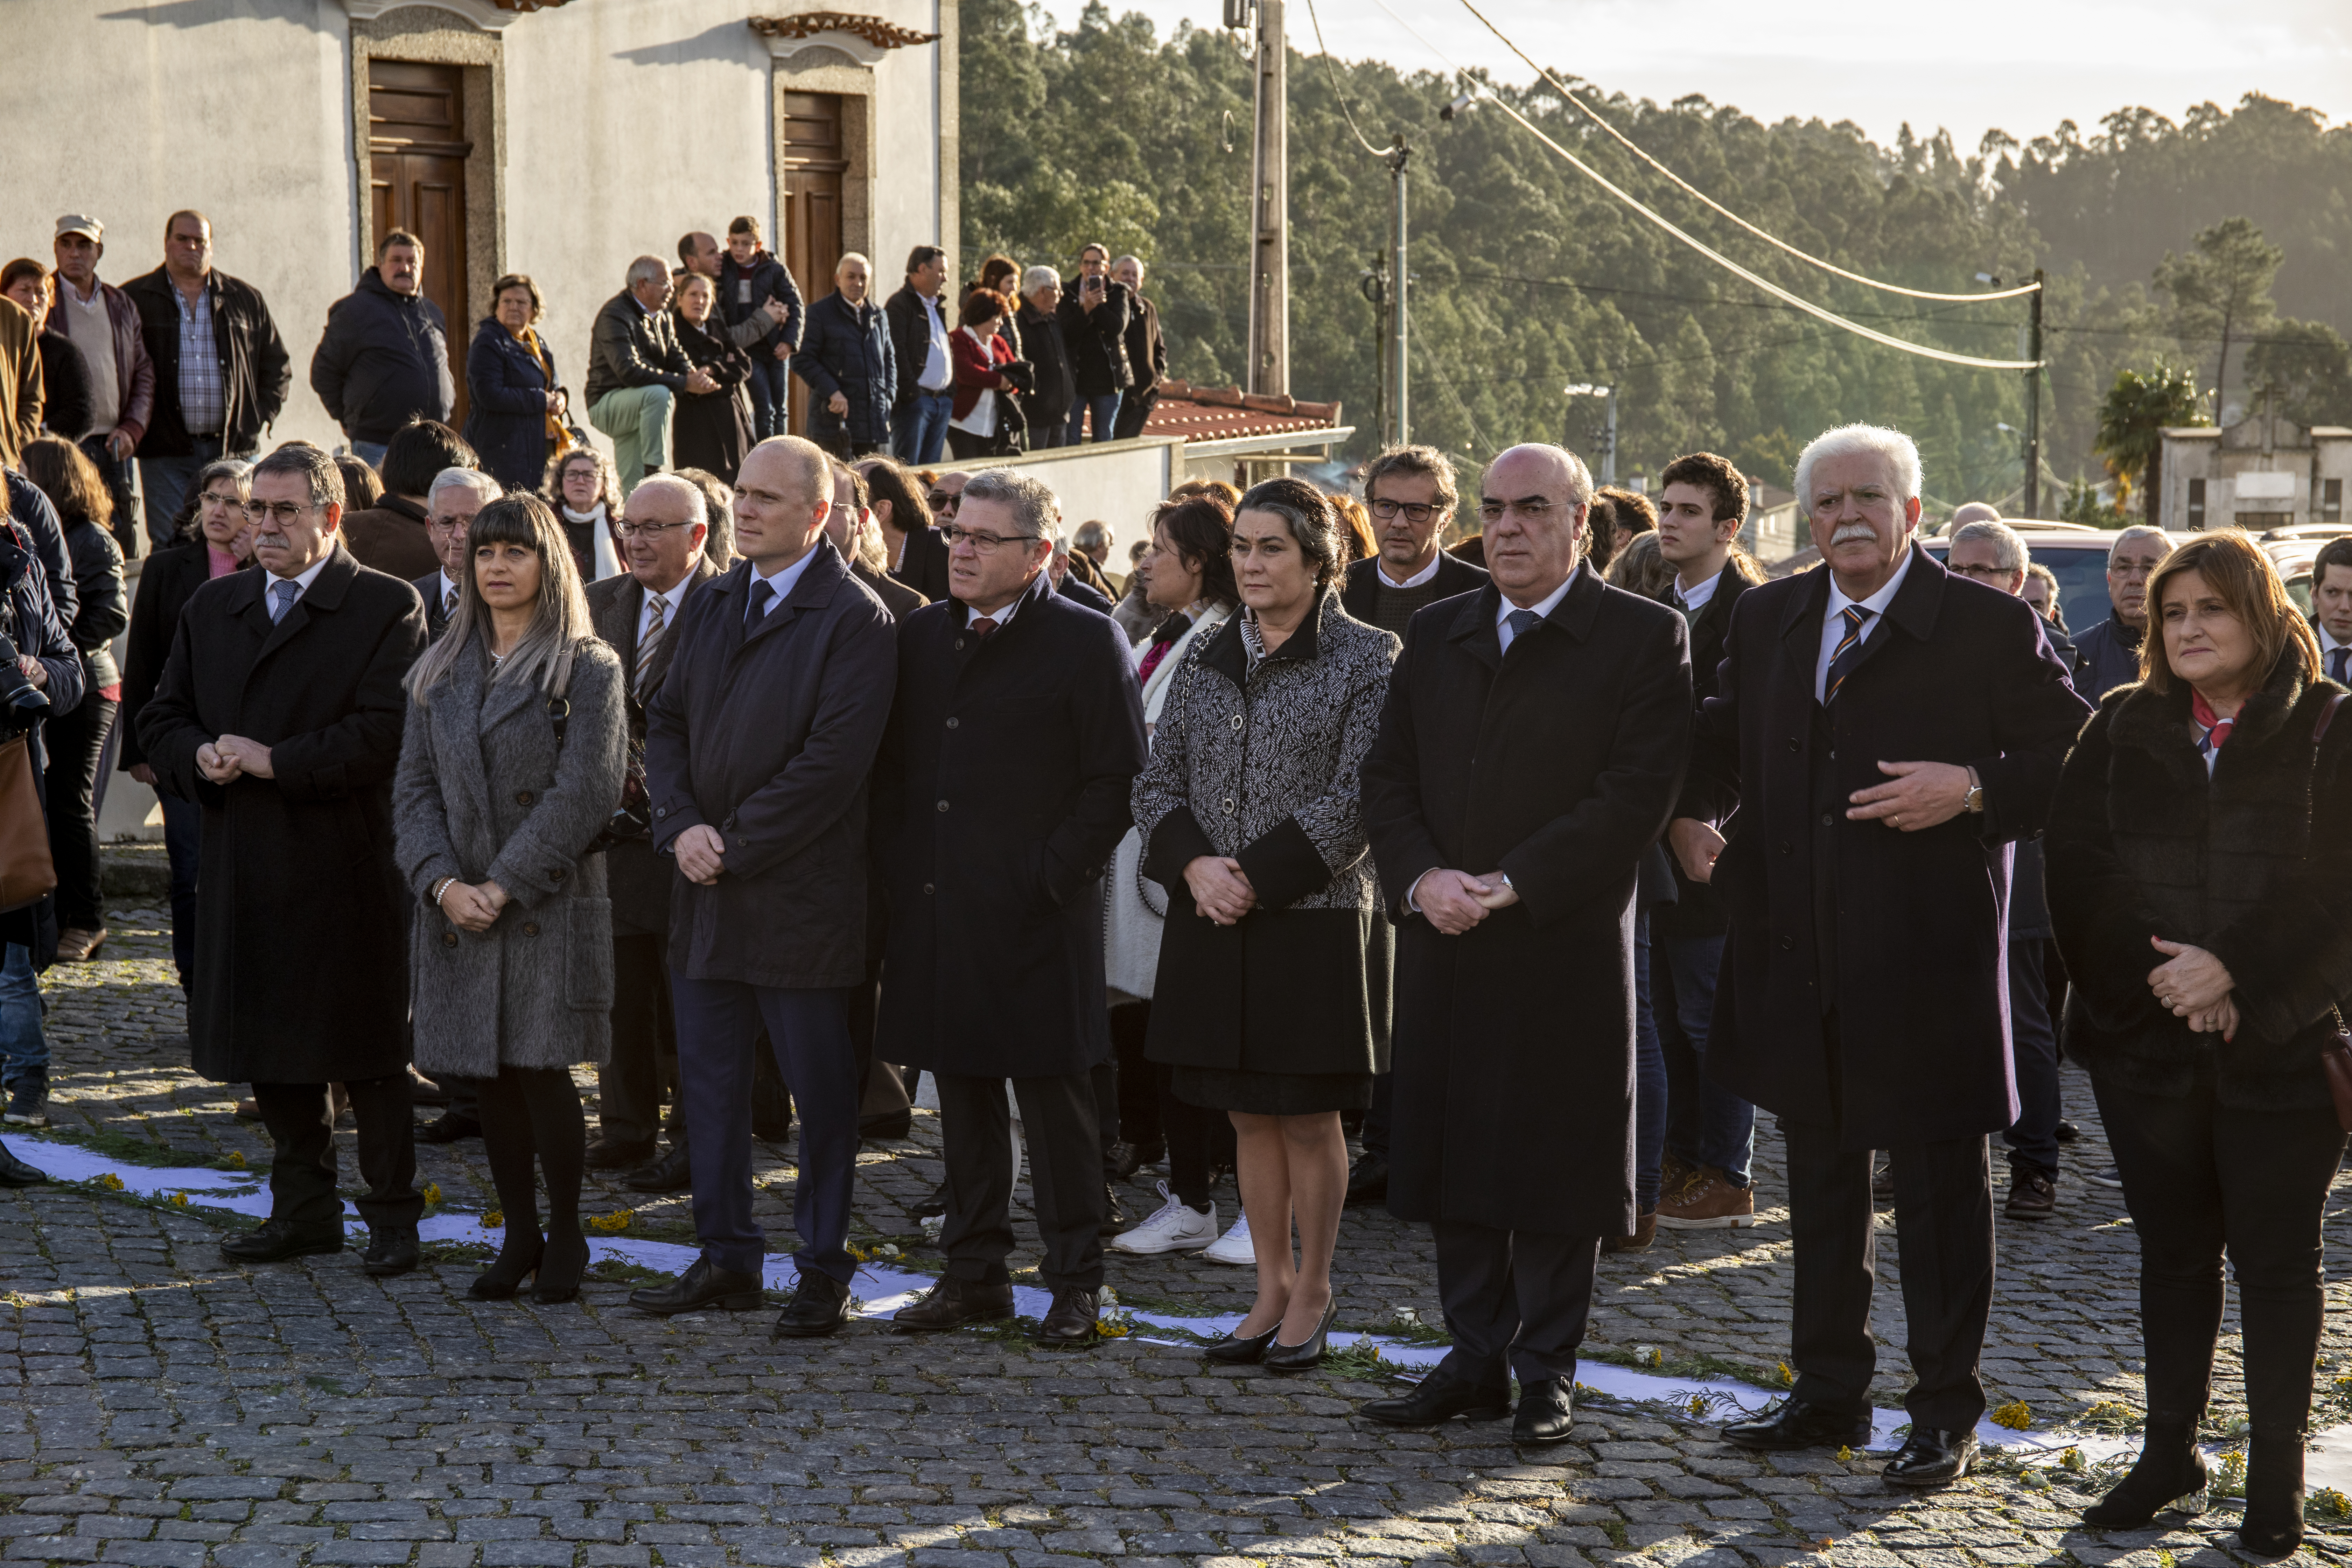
(456, 495)
(279, 713)
(663, 538)
(1001, 791)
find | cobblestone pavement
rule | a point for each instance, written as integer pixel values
(171, 1410)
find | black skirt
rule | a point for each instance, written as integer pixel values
(1271, 1093)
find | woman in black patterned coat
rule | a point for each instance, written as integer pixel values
(1272, 999)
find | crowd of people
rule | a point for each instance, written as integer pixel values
(769, 789)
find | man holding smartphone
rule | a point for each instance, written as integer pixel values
(1094, 316)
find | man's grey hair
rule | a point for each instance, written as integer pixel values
(1898, 450)
(1035, 506)
(2137, 531)
(645, 268)
(849, 255)
(1037, 278)
(1093, 536)
(313, 463)
(486, 488)
(1125, 259)
(2009, 550)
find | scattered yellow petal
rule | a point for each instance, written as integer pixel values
(617, 1220)
(2072, 1459)
(2017, 1415)
(495, 1218)
(1846, 1457)
(432, 1192)
(1788, 1378)
(180, 1200)
(110, 1181)
(236, 1158)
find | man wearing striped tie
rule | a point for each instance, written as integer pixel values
(2331, 609)
(662, 533)
(1884, 731)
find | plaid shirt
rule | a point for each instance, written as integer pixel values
(203, 402)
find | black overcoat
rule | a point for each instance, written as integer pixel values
(1694, 911)
(302, 921)
(1513, 1050)
(767, 734)
(1959, 674)
(1000, 793)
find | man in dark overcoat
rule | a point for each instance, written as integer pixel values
(1884, 730)
(1533, 740)
(279, 713)
(1001, 791)
(758, 747)
(663, 533)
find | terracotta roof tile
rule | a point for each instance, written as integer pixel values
(1227, 413)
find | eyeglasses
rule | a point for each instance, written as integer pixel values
(285, 511)
(1535, 509)
(628, 530)
(1415, 512)
(446, 524)
(985, 544)
(213, 498)
(940, 500)
(1988, 573)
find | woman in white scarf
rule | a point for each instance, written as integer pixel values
(1188, 572)
(585, 491)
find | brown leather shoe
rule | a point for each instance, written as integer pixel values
(1710, 1203)
(2032, 1196)
(1645, 1231)
(76, 945)
(953, 1302)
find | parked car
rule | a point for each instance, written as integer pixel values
(2077, 557)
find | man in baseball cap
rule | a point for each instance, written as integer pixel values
(103, 325)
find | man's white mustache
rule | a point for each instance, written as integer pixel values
(1853, 531)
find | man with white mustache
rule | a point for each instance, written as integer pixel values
(1884, 729)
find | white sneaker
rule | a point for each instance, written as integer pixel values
(1175, 1227)
(1233, 1246)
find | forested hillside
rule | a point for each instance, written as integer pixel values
(1528, 278)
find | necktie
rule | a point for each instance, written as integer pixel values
(1848, 653)
(763, 594)
(982, 625)
(648, 643)
(2337, 661)
(282, 594)
(449, 602)
(1522, 622)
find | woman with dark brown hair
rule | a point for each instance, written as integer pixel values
(986, 417)
(2199, 879)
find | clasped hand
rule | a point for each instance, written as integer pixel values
(1221, 889)
(1454, 901)
(229, 757)
(1921, 794)
(2195, 986)
(472, 907)
(702, 854)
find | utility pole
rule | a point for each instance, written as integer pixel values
(1608, 427)
(1269, 318)
(1399, 155)
(2033, 404)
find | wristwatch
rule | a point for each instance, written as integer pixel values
(1974, 799)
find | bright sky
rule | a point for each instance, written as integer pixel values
(1967, 68)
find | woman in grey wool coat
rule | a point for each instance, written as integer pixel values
(509, 766)
(1271, 998)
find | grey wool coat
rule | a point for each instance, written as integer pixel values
(485, 793)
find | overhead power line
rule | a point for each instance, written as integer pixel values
(1587, 110)
(1589, 172)
(1332, 71)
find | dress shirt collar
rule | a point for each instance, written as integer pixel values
(1004, 617)
(2327, 643)
(783, 581)
(1876, 603)
(1504, 608)
(449, 585)
(672, 600)
(1694, 600)
(1416, 580)
(302, 581)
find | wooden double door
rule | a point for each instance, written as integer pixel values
(816, 162)
(416, 181)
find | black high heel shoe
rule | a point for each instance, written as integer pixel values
(1236, 1350)
(2158, 1480)
(2272, 1526)
(507, 1272)
(560, 1264)
(1280, 1357)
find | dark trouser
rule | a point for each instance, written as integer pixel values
(2200, 1179)
(1942, 1222)
(1057, 1121)
(718, 1024)
(2032, 1139)
(301, 1123)
(1101, 408)
(964, 445)
(75, 744)
(1138, 1081)
(644, 1044)
(1134, 408)
(1048, 434)
(1706, 1124)
(183, 837)
(918, 427)
(1105, 1079)
(1649, 1075)
(531, 1117)
(769, 383)
(1515, 1300)
(1377, 1119)
(116, 472)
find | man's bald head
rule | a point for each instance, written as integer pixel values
(1533, 499)
(664, 533)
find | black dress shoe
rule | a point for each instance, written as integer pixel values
(1114, 1217)
(820, 1306)
(1280, 1357)
(953, 1302)
(888, 1126)
(1546, 1410)
(1368, 1179)
(448, 1129)
(673, 1173)
(278, 1240)
(1236, 1350)
(1931, 1456)
(2067, 1133)
(15, 1172)
(1439, 1398)
(618, 1154)
(1071, 1321)
(704, 1285)
(933, 1206)
(392, 1249)
(1123, 1161)
(1793, 1424)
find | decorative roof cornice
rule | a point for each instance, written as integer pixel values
(874, 31)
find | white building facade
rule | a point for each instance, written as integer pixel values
(555, 138)
(2260, 473)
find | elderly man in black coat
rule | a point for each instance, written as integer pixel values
(279, 713)
(1533, 740)
(1884, 730)
(757, 746)
(1002, 791)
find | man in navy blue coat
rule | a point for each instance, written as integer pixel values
(1886, 730)
(757, 746)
